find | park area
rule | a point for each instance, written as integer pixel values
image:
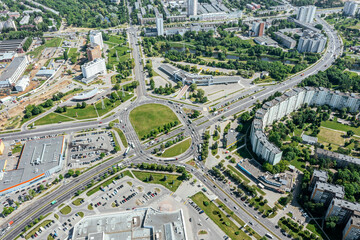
(148, 117)
(118, 50)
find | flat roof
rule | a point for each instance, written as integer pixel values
(12, 68)
(11, 45)
(336, 189)
(39, 158)
(142, 223)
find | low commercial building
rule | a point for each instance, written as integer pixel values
(94, 68)
(352, 228)
(266, 41)
(86, 95)
(13, 71)
(14, 45)
(93, 52)
(309, 139)
(22, 84)
(7, 57)
(326, 192)
(311, 42)
(342, 209)
(286, 40)
(48, 73)
(189, 78)
(39, 159)
(141, 223)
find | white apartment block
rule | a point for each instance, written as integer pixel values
(96, 37)
(350, 8)
(94, 68)
(287, 103)
(311, 42)
(160, 26)
(192, 7)
(306, 14)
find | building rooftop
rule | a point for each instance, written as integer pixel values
(321, 175)
(96, 60)
(39, 158)
(336, 189)
(12, 68)
(337, 156)
(264, 140)
(309, 139)
(346, 204)
(143, 223)
(86, 95)
(11, 45)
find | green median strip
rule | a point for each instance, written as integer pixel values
(218, 217)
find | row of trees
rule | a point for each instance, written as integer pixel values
(165, 129)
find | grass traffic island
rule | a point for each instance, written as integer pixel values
(218, 217)
(65, 210)
(77, 202)
(177, 149)
(90, 207)
(170, 181)
(149, 117)
(122, 136)
(81, 214)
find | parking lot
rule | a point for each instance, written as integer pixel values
(86, 148)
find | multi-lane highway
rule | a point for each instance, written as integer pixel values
(22, 217)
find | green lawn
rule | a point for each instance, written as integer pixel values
(55, 42)
(76, 202)
(73, 54)
(52, 118)
(32, 232)
(65, 210)
(218, 217)
(81, 214)
(315, 229)
(298, 164)
(177, 149)
(151, 116)
(159, 179)
(81, 113)
(330, 136)
(16, 149)
(341, 127)
(122, 137)
(108, 106)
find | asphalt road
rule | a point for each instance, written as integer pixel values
(23, 217)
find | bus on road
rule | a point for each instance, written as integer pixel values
(53, 202)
